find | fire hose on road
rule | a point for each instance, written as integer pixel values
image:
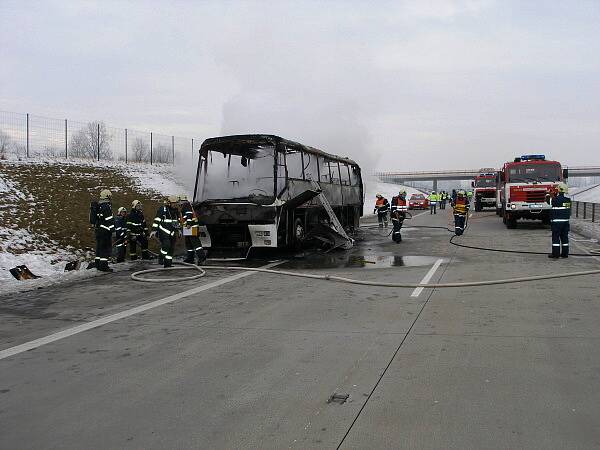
(139, 275)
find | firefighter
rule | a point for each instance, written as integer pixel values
(382, 207)
(138, 231)
(453, 197)
(559, 221)
(433, 199)
(166, 226)
(105, 226)
(443, 197)
(399, 208)
(191, 232)
(121, 233)
(461, 209)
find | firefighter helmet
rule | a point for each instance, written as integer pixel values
(135, 204)
(105, 194)
(183, 198)
(562, 187)
(461, 193)
(172, 199)
(122, 209)
(378, 195)
(403, 192)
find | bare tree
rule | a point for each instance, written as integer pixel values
(5, 144)
(141, 151)
(161, 153)
(87, 143)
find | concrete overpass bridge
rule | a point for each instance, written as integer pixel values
(468, 174)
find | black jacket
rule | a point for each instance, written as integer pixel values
(166, 222)
(105, 222)
(187, 213)
(561, 208)
(136, 223)
(120, 228)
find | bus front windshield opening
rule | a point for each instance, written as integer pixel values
(242, 178)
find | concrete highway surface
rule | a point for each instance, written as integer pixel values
(251, 360)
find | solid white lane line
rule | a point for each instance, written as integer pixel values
(420, 214)
(123, 314)
(427, 277)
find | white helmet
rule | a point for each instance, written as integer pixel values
(122, 209)
(173, 199)
(562, 187)
(135, 203)
(183, 198)
(105, 194)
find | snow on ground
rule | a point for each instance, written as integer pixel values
(49, 261)
(388, 190)
(586, 194)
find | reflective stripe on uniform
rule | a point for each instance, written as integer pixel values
(105, 227)
(198, 248)
(163, 229)
(560, 220)
(168, 257)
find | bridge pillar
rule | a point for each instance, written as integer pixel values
(435, 185)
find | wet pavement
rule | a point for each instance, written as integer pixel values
(251, 362)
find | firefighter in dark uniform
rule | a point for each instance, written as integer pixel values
(166, 226)
(382, 206)
(138, 231)
(121, 233)
(461, 209)
(191, 232)
(559, 221)
(105, 226)
(399, 208)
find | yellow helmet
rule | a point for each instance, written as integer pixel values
(183, 198)
(562, 187)
(172, 199)
(105, 194)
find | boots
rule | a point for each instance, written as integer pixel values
(103, 267)
(201, 254)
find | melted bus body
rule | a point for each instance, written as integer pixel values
(262, 191)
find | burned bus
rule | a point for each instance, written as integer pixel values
(263, 191)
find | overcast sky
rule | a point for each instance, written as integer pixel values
(397, 86)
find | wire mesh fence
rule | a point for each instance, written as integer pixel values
(30, 136)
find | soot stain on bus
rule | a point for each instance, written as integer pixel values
(264, 191)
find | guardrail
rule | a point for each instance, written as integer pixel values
(585, 210)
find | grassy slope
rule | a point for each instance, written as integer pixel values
(61, 198)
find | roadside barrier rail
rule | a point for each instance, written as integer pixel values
(586, 210)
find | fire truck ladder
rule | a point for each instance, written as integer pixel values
(335, 223)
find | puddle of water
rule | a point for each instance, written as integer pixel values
(367, 261)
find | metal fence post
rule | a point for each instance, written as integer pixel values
(173, 148)
(576, 209)
(66, 140)
(593, 212)
(125, 145)
(150, 148)
(192, 149)
(584, 210)
(98, 141)
(27, 147)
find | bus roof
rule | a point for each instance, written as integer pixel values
(240, 144)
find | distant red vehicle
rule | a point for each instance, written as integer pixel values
(418, 201)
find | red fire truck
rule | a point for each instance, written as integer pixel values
(484, 189)
(522, 186)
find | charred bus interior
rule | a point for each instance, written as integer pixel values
(263, 191)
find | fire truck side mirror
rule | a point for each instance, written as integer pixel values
(565, 173)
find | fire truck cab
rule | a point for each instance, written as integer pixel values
(484, 189)
(522, 186)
